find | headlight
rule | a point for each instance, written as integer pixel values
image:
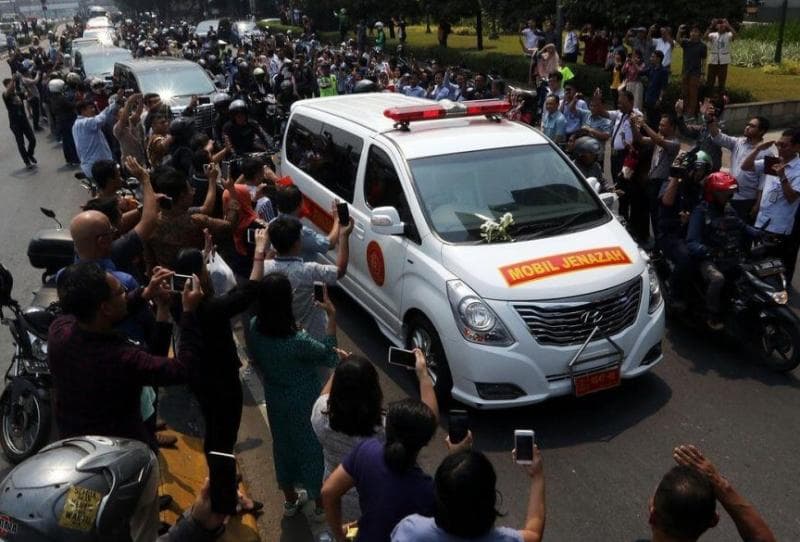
(38, 347)
(655, 285)
(476, 320)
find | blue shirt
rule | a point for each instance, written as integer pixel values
(313, 243)
(657, 79)
(90, 142)
(417, 91)
(554, 125)
(573, 119)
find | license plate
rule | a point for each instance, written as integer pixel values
(597, 381)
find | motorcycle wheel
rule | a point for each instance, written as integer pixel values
(779, 343)
(25, 427)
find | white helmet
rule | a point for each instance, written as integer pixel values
(55, 85)
(379, 25)
(73, 78)
(258, 72)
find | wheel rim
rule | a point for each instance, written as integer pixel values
(777, 344)
(420, 338)
(21, 425)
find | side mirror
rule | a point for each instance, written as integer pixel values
(386, 221)
(594, 183)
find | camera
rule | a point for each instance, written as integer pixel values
(683, 164)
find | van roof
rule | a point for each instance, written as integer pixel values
(424, 138)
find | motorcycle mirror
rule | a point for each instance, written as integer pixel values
(49, 213)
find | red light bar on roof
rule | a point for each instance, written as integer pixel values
(445, 109)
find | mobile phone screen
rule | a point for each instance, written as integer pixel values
(344, 213)
(319, 292)
(402, 358)
(179, 282)
(250, 236)
(458, 425)
(523, 443)
(769, 162)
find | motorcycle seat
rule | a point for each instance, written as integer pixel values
(51, 249)
(46, 296)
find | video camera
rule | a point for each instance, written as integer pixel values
(684, 163)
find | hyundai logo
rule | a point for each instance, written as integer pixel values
(591, 317)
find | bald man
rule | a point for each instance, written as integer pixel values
(93, 235)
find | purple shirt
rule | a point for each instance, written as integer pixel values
(385, 496)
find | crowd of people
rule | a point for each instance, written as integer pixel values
(216, 234)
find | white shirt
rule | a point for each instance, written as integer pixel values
(775, 208)
(622, 133)
(529, 38)
(571, 42)
(749, 182)
(665, 47)
(719, 47)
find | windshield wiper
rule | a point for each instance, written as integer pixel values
(561, 226)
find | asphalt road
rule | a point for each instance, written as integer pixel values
(603, 454)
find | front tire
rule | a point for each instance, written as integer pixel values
(24, 426)
(779, 343)
(422, 335)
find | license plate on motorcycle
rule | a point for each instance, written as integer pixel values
(597, 381)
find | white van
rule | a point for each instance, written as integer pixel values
(571, 305)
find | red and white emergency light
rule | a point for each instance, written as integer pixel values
(446, 110)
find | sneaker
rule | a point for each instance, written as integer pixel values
(28, 165)
(291, 508)
(32, 159)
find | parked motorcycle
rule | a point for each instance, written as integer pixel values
(754, 306)
(25, 404)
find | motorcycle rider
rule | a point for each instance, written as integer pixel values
(586, 153)
(715, 239)
(124, 479)
(260, 85)
(222, 102)
(676, 200)
(245, 134)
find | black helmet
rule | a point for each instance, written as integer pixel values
(365, 85)
(182, 129)
(237, 106)
(83, 489)
(6, 285)
(222, 100)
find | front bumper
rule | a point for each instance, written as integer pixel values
(527, 372)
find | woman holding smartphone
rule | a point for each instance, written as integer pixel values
(215, 378)
(289, 359)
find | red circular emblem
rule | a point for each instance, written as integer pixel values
(377, 269)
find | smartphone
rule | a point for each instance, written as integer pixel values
(457, 426)
(179, 282)
(770, 162)
(225, 168)
(402, 358)
(206, 168)
(344, 213)
(165, 203)
(319, 292)
(523, 444)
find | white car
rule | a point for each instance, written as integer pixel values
(570, 306)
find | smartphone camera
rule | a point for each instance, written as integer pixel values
(179, 282)
(457, 426)
(402, 358)
(523, 444)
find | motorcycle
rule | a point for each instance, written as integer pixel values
(25, 404)
(754, 305)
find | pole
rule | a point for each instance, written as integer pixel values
(779, 46)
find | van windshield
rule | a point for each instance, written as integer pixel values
(459, 192)
(102, 63)
(176, 81)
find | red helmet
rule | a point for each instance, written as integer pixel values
(718, 182)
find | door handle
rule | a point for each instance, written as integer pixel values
(360, 230)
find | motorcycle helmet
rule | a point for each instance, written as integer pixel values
(222, 100)
(6, 285)
(286, 85)
(202, 62)
(259, 72)
(718, 182)
(55, 86)
(703, 161)
(365, 85)
(27, 64)
(182, 129)
(73, 78)
(587, 145)
(378, 24)
(82, 489)
(238, 106)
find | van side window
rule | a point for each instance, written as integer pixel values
(326, 153)
(382, 186)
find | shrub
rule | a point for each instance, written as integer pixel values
(769, 32)
(787, 67)
(751, 53)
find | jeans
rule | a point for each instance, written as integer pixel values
(676, 251)
(23, 131)
(67, 142)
